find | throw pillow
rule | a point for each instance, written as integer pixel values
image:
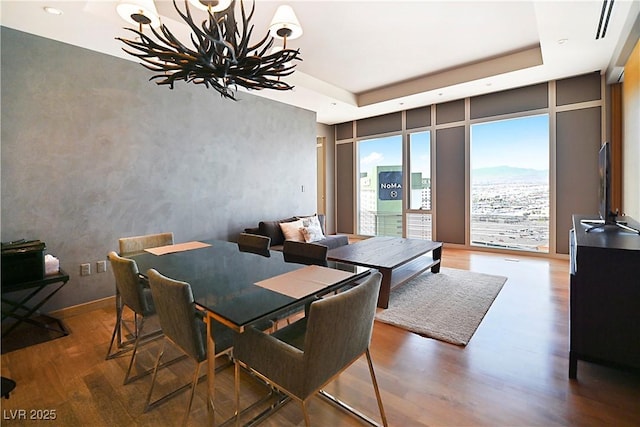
(291, 230)
(311, 229)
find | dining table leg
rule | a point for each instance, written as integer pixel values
(211, 370)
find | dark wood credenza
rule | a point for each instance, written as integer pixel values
(604, 295)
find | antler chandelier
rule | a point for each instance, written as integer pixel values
(220, 56)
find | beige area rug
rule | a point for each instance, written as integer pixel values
(447, 306)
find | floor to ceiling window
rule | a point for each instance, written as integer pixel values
(380, 186)
(510, 184)
(418, 217)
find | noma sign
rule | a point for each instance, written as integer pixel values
(390, 185)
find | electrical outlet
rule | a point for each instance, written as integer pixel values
(101, 266)
(85, 269)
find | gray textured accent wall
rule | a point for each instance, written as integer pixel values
(92, 151)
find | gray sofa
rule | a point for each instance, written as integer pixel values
(272, 230)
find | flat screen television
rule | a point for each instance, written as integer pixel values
(604, 170)
(607, 217)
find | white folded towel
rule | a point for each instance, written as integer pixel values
(51, 265)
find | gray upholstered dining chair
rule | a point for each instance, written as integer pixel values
(305, 253)
(183, 326)
(300, 359)
(139, 243)
(129, 245)
(138, 299)
(254, 243)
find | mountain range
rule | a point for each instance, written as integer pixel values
(502, 174)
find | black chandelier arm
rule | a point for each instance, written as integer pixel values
(263, 73)
(205, 80)
(212, 34)
(187, 18)
(171, 49)
(217, 43)
(255, 73)
(173, 52)
(255, 65)
(261, 83)
(243, 46)
(170, 41)
(150, 49)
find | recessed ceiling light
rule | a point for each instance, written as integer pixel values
(52, 10)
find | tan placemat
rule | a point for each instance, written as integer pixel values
(304, 281)
(179, 247)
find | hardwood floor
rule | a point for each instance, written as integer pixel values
(512, 372)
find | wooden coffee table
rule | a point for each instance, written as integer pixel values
(398, 259)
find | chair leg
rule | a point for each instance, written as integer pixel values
(194, 383)
(354, 411)
(127, 378)
(119, 310)
(116, 333)
(155, 374)
(236, 386)
(376, 389)
(122, 345)
(307, 420)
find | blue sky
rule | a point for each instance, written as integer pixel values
(521, 142)
(380, 151)
(388, 151)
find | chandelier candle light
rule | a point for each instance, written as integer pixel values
(221, 56)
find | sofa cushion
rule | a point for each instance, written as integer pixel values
(321, 220)
(272, 229)
(292, 230)
(331, 241)
(334, 241)
(311, 229)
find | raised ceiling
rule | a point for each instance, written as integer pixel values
(364, 58)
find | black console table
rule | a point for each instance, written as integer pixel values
(19, 310)
(605, 295)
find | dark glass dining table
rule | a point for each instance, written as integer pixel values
(224, 281)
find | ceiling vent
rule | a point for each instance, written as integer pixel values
(605, 14)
